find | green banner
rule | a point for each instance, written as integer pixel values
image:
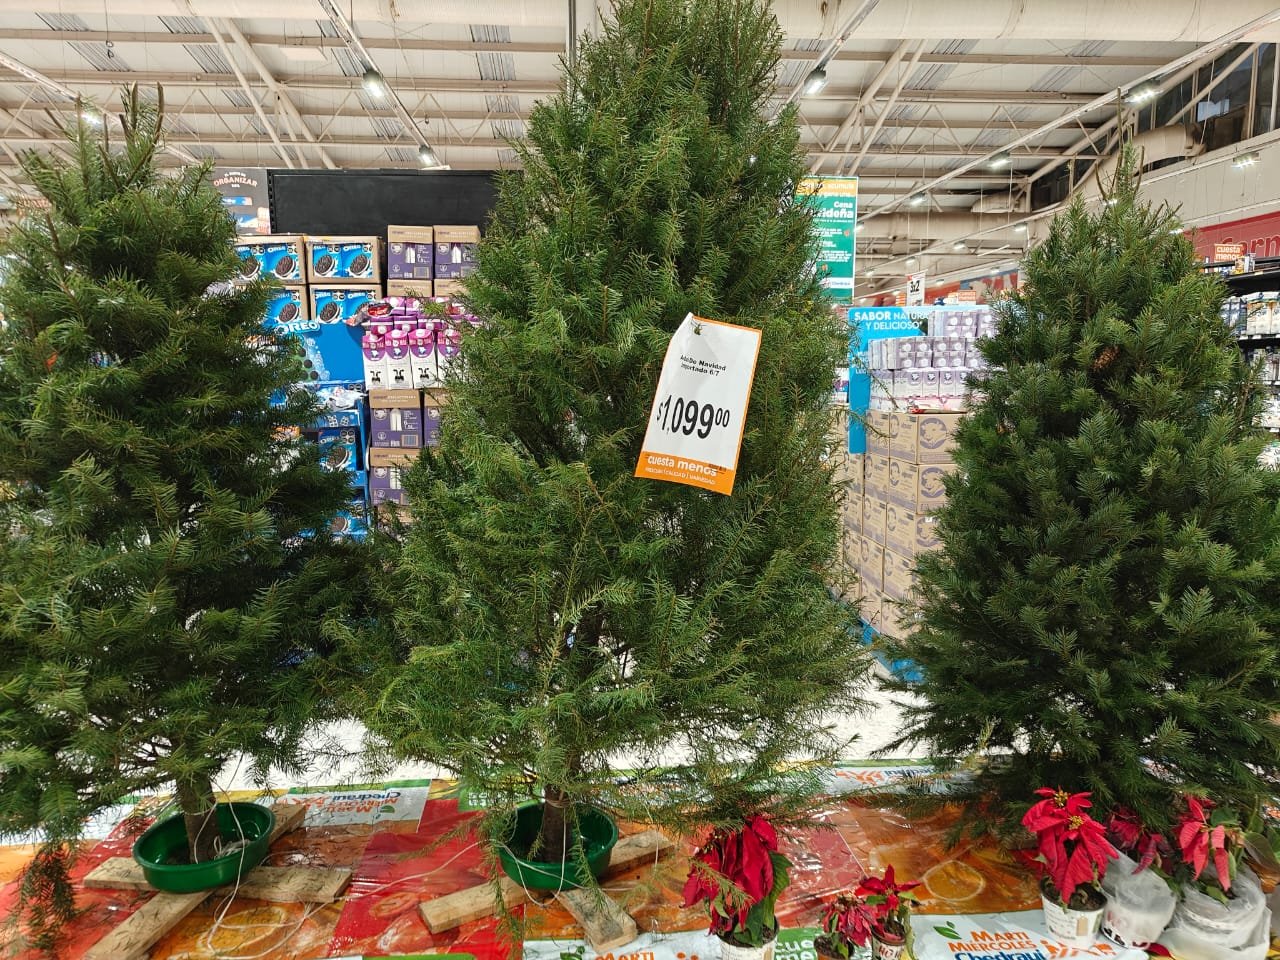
(835, 200)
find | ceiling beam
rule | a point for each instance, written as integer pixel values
(554, 48)
(465, 85)
(229, 110)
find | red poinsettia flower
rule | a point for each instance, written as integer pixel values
(742, 859)
(1157, 950)
(1198, 839)
(1072, 845)
(885, 891)
(1131, 835)
(848, 918)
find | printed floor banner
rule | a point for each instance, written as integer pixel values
(408, 843)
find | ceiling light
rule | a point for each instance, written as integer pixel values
(1176, 230)
(871, 273)
(1142, 94)
(1242, 160)
(373, 83)
(1019, 228)
(857, 227)
(428, 156)
(918, 200)
(814, 83)
(91, 115)
(959, 245)
(751, 160)
(1001, 159)
(1111, 202)
(911, 260)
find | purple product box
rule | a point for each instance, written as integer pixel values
(396, 427)
(430, 426)
(410, 261)
(386, 486)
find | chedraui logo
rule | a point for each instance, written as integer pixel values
(1012, 945)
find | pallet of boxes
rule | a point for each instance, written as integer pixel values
(408, 349)
(896, 487)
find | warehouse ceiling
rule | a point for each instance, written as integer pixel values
(904, 105)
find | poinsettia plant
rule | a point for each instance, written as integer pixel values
(1208, 833)
(846, 924)
(890, 903)
(1072, 847)
(1150, 849)
(739, 874)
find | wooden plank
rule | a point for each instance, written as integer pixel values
(292, 884)
(133, 938)
(637, 849)
(289, 817)
(117, 873)
(605, 925)
(473, 903)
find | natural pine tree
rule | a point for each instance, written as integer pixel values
(159, 590)
(1104, 613)
(554, 612)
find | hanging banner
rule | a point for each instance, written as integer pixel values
(700, 406)
(244, 194)
(915, 290)
(835, 202)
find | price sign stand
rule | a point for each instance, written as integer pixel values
(700, 407)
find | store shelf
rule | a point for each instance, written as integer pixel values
(1266, 277)
(1258, 337)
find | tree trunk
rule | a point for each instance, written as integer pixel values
(556, 839)
(195, 796)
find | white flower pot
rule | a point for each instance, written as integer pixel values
(729, 951)
(881, 950)
(1075, 928)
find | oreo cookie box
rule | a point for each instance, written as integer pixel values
(344, 260)
(329, 337)
(279, 257)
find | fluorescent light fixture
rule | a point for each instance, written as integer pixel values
(1142, 94)
(428, 156)
(1112, 202)
(373, 83)
(857, 227)
(1001, 159)
(751, 160)
(91, 115)
(1176, 230)
(911, 260)
(918, 200)
(815, 82)
(1019, 228)
(959, 245)
(1242, 160)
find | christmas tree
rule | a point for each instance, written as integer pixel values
(167, 557)
(552, 611)
(1103, 614)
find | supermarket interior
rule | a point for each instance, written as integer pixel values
(645, 480)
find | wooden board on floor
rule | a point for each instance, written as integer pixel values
(473, 903)
(637, 849)
(292, 884)
(289, 817)
(133, 938)
(605, 925)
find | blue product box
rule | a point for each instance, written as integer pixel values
(357, 259)
(331, 337)
(287, 305)
(352, 522)
(332, 419)
(271, 256)
(340, 449)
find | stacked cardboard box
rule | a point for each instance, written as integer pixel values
(890, 495)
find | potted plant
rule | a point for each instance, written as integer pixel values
(846, 925)
(739, 874)
(1139, 891)
(1073, 853)
(162, 583)
(890, 905)
(550, 611)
